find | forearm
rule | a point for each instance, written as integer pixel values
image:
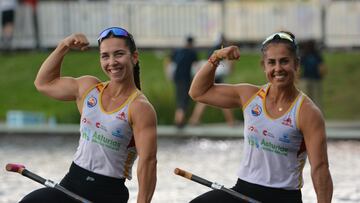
(204, 78)
(322, 184)
(146, 179)
(50, 69)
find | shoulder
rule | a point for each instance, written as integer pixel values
(85, 82)
(310, 116)
(247, 90)
(141, 108)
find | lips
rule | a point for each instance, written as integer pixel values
(279, 76)
(114, 70)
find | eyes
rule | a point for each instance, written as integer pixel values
(281, 61)
(117, 55)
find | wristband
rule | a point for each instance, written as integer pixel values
(213, 62)
(214, 59)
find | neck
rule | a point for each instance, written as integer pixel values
(116, 90)
(287, 94)
(280, 99)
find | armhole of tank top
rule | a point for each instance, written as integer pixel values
(131, 99)
(87, 92)
(264, 87)
(302, 98)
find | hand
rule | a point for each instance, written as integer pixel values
(230, 53)
(76, 41)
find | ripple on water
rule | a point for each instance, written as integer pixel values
(50, 157)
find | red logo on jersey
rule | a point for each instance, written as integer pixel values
(267, 134)
(253, 129)
(98, 125)
(121, 116)
(287, 122)
(85, 120)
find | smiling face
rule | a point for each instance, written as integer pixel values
(116, 59)
(280, 64)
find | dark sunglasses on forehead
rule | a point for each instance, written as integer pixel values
(279, 35)
(116, 31)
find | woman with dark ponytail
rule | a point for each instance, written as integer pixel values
(118, 123)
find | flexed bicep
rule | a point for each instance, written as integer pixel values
(48, 79)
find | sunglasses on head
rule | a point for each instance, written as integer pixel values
(116, 31)
(279, 35)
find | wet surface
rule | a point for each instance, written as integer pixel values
(216, 160)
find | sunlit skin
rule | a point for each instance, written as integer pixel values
(116, 60)
(118, 63)
(280, 65)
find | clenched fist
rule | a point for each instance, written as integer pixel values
(76, 41)
(230, 53)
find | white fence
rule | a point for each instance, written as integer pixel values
(165, 24)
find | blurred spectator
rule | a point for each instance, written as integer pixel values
(224, 69)
(8, 9)
(313, 70)
(182, 60)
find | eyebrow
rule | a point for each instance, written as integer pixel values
(116, 51)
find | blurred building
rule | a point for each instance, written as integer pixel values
(165, 23)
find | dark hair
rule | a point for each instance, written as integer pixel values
(130, 42)
(189, 39)
(292, 45)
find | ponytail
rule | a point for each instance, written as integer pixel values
(137, 75)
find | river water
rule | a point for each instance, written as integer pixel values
(216, 160)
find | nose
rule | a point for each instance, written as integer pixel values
(277, 66)
(112, 60)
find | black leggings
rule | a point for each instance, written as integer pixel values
(92, 186)
(257, 192)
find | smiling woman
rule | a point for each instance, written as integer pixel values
(281, 126)
(118, 123)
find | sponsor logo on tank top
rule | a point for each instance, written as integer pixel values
(105, 141)
(256, 110)
(86, 121)
(253, 141)
(91, 102)
(268, 134)
(287, 121)
(284, 138)
(100, 126)
(96, 137)
(271, 147)
(121, 116)
(267, 146)
(86, 133)
(117, 133)
(252, 129)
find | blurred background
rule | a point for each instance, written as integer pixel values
(160, 26)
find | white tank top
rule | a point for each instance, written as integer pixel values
(274, 150)
(106, 145)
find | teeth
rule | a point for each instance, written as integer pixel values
(114, 70)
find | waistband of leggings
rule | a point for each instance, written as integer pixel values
(275, 191)
(83, 174)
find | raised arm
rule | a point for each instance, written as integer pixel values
(313, 128)
(203, 89)
(49, 81)
(144, 122)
